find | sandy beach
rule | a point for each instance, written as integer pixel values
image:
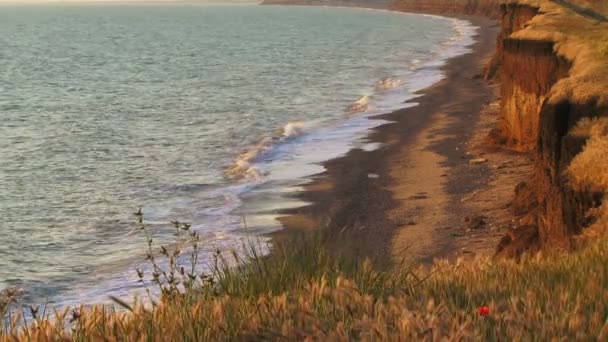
(421, 195)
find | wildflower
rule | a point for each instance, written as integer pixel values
(484, 310)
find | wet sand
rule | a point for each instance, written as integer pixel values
(404, 201)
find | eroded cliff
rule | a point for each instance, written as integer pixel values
(554, 101)
(528, 70)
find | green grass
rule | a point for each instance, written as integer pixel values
(302, 291)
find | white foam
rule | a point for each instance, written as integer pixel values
(362, 104)
(243, 166)
(294, 129)
(388, 83)
(459, 43)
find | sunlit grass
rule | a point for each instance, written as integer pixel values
(302, 291)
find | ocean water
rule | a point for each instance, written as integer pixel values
(211, 115)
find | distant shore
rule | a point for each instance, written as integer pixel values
(359, 4)
(400, 201)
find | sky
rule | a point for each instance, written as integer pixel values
(123, 1)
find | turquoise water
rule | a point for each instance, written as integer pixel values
(183, 110)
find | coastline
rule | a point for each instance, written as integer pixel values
(365, 4)
(399, 202)
(445, 183)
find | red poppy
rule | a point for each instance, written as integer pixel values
(484, 310)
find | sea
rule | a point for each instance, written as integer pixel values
(214, 115)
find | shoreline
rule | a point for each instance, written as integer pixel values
(394, 203)
(385, 114)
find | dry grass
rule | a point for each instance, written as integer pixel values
(8, 297)
(589, 169)
(599, 6)
(581, 40)
(305, 294)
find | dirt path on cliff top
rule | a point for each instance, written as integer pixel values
(405, 199)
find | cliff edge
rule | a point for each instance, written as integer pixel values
(553, 59)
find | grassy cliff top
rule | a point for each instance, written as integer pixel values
(580, 31)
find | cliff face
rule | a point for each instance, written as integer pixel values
(487, 8)
(552, 61)
(563, 208)
(528, 71)
(511, 20)
(549, 82)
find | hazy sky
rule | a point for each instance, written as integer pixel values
(125, 1)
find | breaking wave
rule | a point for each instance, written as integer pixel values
(247, 164)
(361, 105)
(244, 168)
(388, 83)
(292, 129)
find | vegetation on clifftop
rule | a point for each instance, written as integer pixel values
(589, 169)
